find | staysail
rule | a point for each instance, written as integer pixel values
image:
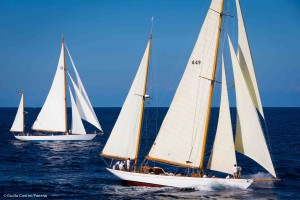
(77, 125)
(18, 125)
(123, 140)
(222, 157)
(81, 88)
(245, 60)
(184, 126)
(85, 107)
(52, 117)
(250, 139)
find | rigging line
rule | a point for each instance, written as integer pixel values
(105, 161)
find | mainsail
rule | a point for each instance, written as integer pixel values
(81, 88)
(18, 125)
(250, 139)
(185, 124)
(222, 157)
(123, 140)
(53, 116)
(245, 60)
(77, 125)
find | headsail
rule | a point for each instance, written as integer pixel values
(85, 96)
(77, 125)
(84, 105)
(222, 157)
(18, 125)
(245, 60)
(184, 126)
(250, 139)
(123, 140)
(52, 117)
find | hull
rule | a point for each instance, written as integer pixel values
(56, 137)
(149, 180)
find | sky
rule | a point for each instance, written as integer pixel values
(107, 39)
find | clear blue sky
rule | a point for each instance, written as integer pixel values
(107, 40)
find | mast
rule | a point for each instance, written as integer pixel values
(211, 89)
(65, 88)
(23, 111)
(142, 107)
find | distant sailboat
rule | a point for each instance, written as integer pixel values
(181, 140)
(53, 115)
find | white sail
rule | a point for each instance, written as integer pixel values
(250, 139)
(181, 136)
(85, 96)
(222, 157)
(77, 125)
(245, 60)
(85, 107)
(18, 125)
(53, 117)
(123, 139)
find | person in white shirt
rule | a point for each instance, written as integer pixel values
(115, 165)
(235, 170)
(121, 165)
(128, 164)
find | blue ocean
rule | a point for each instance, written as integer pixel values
(74, 170)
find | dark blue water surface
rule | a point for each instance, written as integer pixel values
(74, 170)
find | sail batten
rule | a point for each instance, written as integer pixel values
(250, 139)
(77, 125)
(18, 124)
(184, 124)
(222, 157)
(53, 116)
(124, 137)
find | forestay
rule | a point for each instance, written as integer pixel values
(18, 125)
(77, 125)
(184, 124)
(250, 139)
(245, 60)
(222, 157)
(123, 139)
(81, 88)
(52, 117)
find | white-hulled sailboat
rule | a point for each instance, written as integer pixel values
(181, 140)
(53, 116)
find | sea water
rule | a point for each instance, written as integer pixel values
(74, 170)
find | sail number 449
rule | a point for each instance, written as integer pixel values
(196, 62)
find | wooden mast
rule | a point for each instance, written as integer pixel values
(211, 90)
(65, 88)
(143, 104)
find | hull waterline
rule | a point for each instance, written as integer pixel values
(151, 180)
(85, 137)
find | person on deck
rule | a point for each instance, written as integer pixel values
(128, 164)
(116, 165)
(121, 165)
(235, 170)
(239, 172)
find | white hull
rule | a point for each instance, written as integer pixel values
(139, 179)
(55, 137)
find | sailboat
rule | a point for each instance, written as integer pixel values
(181, 140)
(53, 116)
